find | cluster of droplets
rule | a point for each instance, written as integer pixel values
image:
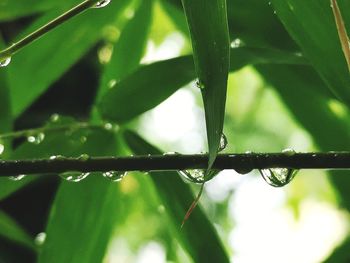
(101, 3)
(278, 177)
(5, 62)
(36, 138)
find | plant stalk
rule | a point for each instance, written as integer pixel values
(14, 48)
(242, 163)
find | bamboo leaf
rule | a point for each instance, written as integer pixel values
(83, 214)
(207, 21)
(163, 78)
(12, 231)
(312, 26)
(129, 49)
(75, 38)
(198, 236)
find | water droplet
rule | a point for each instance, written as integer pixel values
(199, 84)
(111, 84)
(243, 170)
(17, 177)
(223, 143)
(5, 62)
(37, 138)
(278, 177)
(108, 126)
(84, 157)
(114, 175)
(57, 157)
(236, 43)
(74, 176)
(40, 239)
(194, 176)
(101, 3)
(2, 148)
(55, 118)
(171, 153)
(289, 152)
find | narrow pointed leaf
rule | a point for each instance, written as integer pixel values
(207, 21)
(64, 46)
(130, 47)
(83, 214)
(10, 230)
(198, 236)
(312, 25)
(163, 78)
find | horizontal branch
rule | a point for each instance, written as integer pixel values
(240, 162)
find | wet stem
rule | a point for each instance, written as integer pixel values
(14, 48)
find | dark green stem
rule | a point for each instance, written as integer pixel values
(238, 162)
(57, 128)
(10, 51)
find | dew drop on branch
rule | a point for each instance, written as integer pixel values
(223, 143)
(17, 177)
(40, 239)
(101, 3)
(5, 62)
(199, 84)
(114, 176)
(193, 175)
(74, 176)
(278, 177)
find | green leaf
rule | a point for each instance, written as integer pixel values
(129, 49)
(163, 78)
(12, 231)
(83, 214)
(14, 9)
(198, 236)
(313, 111)
(311, 24)
(155, 82)
(207, 21)
(64, 46)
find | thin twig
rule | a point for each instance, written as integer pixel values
(239, 162)
(46, 28)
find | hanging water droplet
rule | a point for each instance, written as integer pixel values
(2, 148)
(223, 143)
(37, 138)
(243, 170)
(278, 177)
(199, 84)
(40, 239)
(5, 62)
(17, 177)
(289, 152)
(101, 3)
(114, 175)
(74, 176)
(84, 157)
(194, 176)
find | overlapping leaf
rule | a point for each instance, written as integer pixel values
(311, 24)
